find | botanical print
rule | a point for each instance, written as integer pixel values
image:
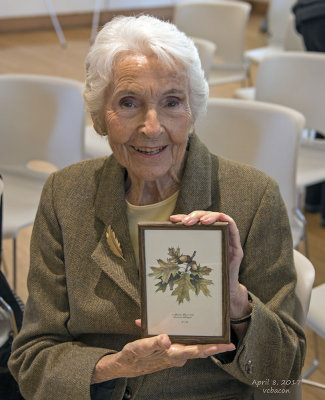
(181, 273)
(182, 277)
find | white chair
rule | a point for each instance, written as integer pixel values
(296, 80)
(311, 162)
(293, 79)
(206, 50)
(42, 120)
(316, 322)
(263, 135)
(223, 23)
(305, 280)
(95, 144)
(280, 29)
(293, 41)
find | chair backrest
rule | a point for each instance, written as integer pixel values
(263, 135)
(277, 18)
(293, 41)
(42, 118)
(295, 80)
(305, 280)
(223, 22)
(206, 50)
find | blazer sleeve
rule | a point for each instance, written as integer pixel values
(46, 360)
(273, 348)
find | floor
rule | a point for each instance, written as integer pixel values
(39, 52)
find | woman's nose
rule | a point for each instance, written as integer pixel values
(152, 125)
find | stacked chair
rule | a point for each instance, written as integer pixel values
(224, 23)
(281, 32)
(296, 80)
(42, 123)
(263, 135)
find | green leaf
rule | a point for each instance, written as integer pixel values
(201, 271)
(174, 254)
(203, 286)
(171, 281)
(161, 286)
(204, 270)
(165, 271)
(195, 280)
(184, 286)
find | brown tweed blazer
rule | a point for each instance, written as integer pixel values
(83, 300)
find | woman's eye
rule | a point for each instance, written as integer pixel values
(173, 103)
(127, 103)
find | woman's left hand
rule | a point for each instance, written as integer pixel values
(239, 305)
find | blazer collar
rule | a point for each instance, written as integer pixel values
(195, 192)
(110, 208)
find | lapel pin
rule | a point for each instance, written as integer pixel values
(113, 243)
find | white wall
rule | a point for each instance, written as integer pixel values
(22, 8)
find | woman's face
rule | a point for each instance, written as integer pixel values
(148, 117)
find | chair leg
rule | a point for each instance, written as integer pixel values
(313, 383)
(316, 359)
(313, 366)
(56, 23)
(306, 242)
(249, 77)
(304, 238)
(14, 263)
(95, 23)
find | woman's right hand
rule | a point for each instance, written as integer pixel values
(145, 356)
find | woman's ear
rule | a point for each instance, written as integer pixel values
(98, 124)
(191, 129)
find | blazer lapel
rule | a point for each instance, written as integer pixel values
(110, 208)
(195, 191)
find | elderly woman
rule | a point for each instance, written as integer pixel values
(80, 338)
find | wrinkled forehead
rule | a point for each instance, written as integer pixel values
(135, 69)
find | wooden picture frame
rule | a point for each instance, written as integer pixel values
(184, 281)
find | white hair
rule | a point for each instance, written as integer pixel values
(142, 35)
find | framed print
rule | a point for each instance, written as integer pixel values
(184, 281)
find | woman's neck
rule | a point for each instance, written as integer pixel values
(141, 192)
(144, 193)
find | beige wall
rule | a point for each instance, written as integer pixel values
(22, 8)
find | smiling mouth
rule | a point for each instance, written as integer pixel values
(149, 151)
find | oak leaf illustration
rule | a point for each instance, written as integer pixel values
(202, 285)
(165, 271)
(184, 286)
(181, 273)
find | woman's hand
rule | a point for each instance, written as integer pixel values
(239, 305)
(145, 356)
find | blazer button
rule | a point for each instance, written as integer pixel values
(249, 367)
(127, 394)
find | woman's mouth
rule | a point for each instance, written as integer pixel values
(149, 151)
